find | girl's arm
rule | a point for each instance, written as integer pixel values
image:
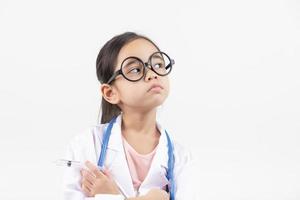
(102, 184)
(153, 194)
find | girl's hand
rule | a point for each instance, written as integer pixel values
(157, 194)
(93, 181)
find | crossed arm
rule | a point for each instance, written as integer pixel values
(94, 182)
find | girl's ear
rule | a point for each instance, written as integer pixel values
(110, 94)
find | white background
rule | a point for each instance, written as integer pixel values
(235, 89)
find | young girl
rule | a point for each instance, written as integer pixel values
(129, 155)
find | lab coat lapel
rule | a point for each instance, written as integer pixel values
(118, 168)
(156, 177)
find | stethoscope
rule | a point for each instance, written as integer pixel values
(171, 159)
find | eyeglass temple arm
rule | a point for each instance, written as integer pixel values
(114, 76)
(171, 63)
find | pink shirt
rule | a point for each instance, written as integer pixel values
(138, 164)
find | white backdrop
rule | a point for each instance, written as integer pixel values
(235, 89)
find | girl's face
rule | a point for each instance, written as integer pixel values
(147, 93)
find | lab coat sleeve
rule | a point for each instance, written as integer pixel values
(71, 177)
(185, 174)
(80, 148)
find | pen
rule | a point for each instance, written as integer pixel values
(72, 163)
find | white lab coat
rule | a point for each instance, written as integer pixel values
(87, 146)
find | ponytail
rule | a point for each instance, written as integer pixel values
(109, 111)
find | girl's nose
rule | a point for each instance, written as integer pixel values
(150, 75)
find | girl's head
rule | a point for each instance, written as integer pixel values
(132, 72)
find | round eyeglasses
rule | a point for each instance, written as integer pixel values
(134, 69)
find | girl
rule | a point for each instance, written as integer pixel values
(129, 155)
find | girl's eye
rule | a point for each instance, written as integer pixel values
(135, 70)
(158, 65)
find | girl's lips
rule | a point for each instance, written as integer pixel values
(155, 87)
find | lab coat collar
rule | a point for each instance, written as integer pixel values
(115, 141)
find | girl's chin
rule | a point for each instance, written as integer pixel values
(153, 104)
(148, 102)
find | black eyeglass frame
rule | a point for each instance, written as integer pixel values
(145, 64)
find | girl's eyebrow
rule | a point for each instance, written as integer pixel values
(157, 56)
(136, 61)
(131, 61)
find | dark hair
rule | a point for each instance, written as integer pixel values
(105, 67)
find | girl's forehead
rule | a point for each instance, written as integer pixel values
(140, 48)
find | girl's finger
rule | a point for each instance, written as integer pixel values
(88, 175)
(87, 184)
(94, 169)
(86, 191)
(106, 173)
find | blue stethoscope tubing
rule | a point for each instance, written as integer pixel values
(171, 159)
